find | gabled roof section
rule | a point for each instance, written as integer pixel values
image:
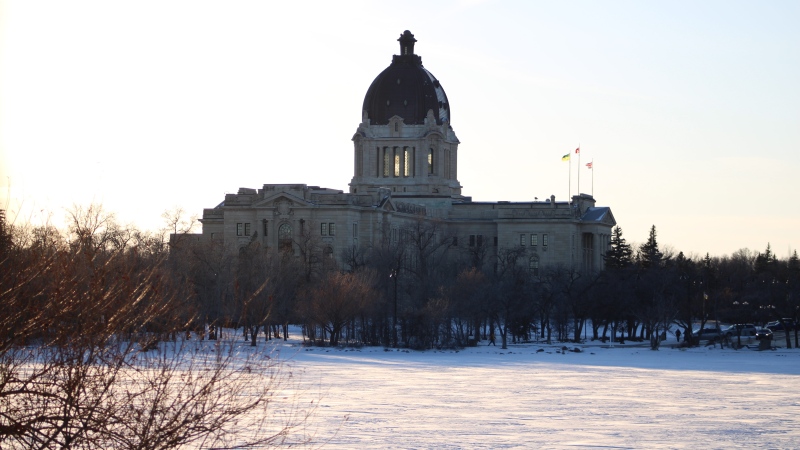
(386, 204)
(274, 198)
(599, 214)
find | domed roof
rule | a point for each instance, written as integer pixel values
(406, 89)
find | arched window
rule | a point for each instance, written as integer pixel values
(285, 237)
(533, 266)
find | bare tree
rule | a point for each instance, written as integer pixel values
(507, 298)
(84, 363)
(337, 299)
(468, 297)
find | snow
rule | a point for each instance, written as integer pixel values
(532, 396)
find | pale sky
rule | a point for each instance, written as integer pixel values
(690, 110)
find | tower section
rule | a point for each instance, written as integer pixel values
(405, 142)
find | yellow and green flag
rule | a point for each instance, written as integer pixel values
(565, 157)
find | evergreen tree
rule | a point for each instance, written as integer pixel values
(794, 264)
(682, 262)
(709, 272)
(765, 262)
(620, 254)
(649, 254)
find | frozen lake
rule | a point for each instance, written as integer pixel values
(484, 397)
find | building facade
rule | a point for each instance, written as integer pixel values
(405, 167)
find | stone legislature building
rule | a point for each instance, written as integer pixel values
(405, 166)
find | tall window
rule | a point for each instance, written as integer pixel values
(355, 230)
(472, 240)
(534, 240)
(331, 229)
(387, 161)
(447, 163)
(378, 159)
(430, 161)
(406, 162)
(323, 229)
(522, 240)
(396, 162)
(247, 229)
(533, 265)
(544, 240)
(285, 237)
(265, 231)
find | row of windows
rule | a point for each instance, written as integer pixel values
(397, 158)
(476, 240)
(243, 229)
(399, 162)
(534, 240)
(327, 229)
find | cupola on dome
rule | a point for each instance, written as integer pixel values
(406, 89)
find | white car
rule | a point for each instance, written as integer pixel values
(747, 330)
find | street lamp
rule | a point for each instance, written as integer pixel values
(393, 274)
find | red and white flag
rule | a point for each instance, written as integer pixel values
(589, 165)
(578, 150)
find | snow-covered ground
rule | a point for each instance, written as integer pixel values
(535, 396)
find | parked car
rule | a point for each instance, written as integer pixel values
(763, 334)
(785, 324)
(741, 329)
(707, 334)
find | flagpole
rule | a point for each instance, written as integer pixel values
(569, 181)
(592, 163)
(578, 151)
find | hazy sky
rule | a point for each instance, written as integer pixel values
(690, 110)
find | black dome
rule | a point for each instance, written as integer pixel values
(406, 89)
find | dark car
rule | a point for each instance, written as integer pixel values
(781, 325)
(763, 334)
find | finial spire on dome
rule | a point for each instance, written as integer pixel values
(407, 43)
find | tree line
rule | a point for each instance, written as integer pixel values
(416, 289)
